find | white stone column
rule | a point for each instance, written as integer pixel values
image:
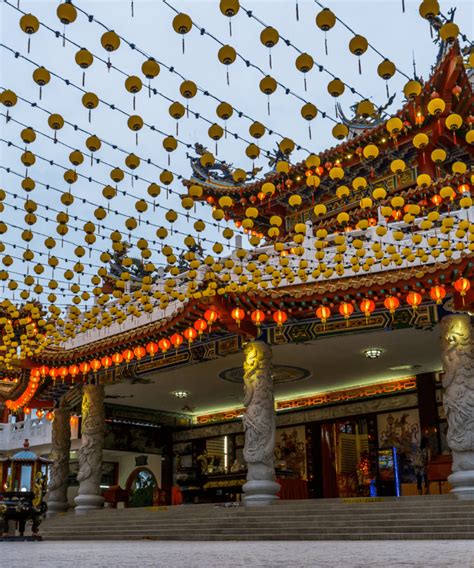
(259, 425)
(458, 400)
(90, 453)
(59, 469)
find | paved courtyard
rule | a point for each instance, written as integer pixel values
(393, 554)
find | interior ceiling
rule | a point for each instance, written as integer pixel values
(334, 363)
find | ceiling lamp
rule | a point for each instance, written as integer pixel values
(180, 393)
(373, 352)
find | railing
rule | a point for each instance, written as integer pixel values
(37, 431)
(13, 434)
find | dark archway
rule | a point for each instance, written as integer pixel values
(142, 488)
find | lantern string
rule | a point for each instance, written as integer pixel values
(172, 69)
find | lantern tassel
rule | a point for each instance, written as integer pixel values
(297, 11)
(360, 67)
(183, 43)
(40, 92)
(270, 59)
(309, 131)
(83, 78)
(325, 43)
(230, 27)
(133, 102)
(64, 35)
(29, 44)
(388, 92)
(227, 74)
(131, 6)
(268, 105)
(305, 85)
(149, 89)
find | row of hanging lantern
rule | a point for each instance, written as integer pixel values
(28, 394)
(366, 306)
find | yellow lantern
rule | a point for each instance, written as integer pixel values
(325, 20)
(370, 152)
(365, 109)
(449, 32)
(336, 87)
(182, 24)
(340, 131)
(421, 140)
(412, 89)
(436, 106)
(304, 63)
(358, 46)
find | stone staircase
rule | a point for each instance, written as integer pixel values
(428, 517)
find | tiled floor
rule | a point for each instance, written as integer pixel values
(367, 554)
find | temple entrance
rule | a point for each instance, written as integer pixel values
(348, 459)
(142, 488)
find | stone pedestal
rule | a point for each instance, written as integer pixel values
(458, 400)
(59, 470)
(259, 425)
(90, 453)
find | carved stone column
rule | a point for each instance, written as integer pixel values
(59, 470)
(90, 453)
(458, 400)
(259, 425)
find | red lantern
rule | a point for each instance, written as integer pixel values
(63, 371)
(258, 317)
(190, 334)
(74, 420)
(53, 373)
(164, 344)
(462, 286)
(106, 362)
(280, 317)
(200, 326)
(346, 309)
(43, 370)
(152, 348)
(49, 415)
(414, 299)
(238, 315)
(39, 413)
(438, 293)
(367, 307)
(84, 367)
(117, 358)
(26, 410)
(391, 303)
(128, 355)
(436, 199)
(73, 370)
(211, 316)
(323, 313)
(139, 352)
(95, 365)
(176, 340)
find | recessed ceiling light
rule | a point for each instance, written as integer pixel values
(402, 368)
(180, 394)
(373, 352)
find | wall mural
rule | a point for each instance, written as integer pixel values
(402, 431)
(290, 450)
